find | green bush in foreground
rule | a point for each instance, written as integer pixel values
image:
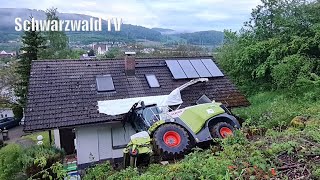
(317, 173)
(10, 163)
(38, 158)
(98, 172)
(33, 162)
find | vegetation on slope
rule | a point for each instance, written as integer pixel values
(278, 108)
(36, 162)
(278, 48)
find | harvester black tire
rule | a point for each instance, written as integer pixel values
(170, 147)
(216, 130)
(126, 160)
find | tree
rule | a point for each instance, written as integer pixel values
(278, 47)
(91, 52)
(113, 53)
(32, 43)
(57, 41)
(277, 16)
(8, 78)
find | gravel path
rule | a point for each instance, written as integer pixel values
(15, 134)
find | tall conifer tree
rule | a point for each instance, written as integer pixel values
(32, 42)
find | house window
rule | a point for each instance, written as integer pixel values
(5, 115)
(1, 115)
(121, 136)
(104, 83)
(152, 81)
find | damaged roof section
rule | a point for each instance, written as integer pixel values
(64, 93)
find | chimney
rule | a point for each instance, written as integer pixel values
(130, 63)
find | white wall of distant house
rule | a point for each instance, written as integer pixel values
(6, 112)
(101, 142)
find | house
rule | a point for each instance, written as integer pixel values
(87, 57)
(147, 50)
(4, 54)
(6, 112)
(63, 95)
(100, 48)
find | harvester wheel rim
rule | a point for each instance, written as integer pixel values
(172, 138)
(225, 131)
(134, 152)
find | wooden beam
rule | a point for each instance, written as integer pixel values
(50, 138)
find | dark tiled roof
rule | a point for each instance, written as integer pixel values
(62, 93)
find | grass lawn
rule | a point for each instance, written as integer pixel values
(273, 109)
(45, 135)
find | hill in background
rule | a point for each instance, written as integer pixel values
(128, 33)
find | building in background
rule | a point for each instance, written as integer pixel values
(6, 112)
(4, 54)
(100, 49)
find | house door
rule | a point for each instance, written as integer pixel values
(67, 137)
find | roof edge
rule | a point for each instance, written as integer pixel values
(137, 58)
(31, 130)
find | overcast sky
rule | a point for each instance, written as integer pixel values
(181, 15)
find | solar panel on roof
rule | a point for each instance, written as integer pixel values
(104, 83)
(212, 67)
(188, 69)
(176, 69)
(152, 80)
(200, 68)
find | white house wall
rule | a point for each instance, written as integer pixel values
(87, 145)
(6, 113)
(95, 143)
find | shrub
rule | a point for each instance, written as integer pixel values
(316, 173)
(312, 131)
(129, 173)
(10, 163)
(98, 172)
(17, 111)
(38, 158)
(286, 73)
